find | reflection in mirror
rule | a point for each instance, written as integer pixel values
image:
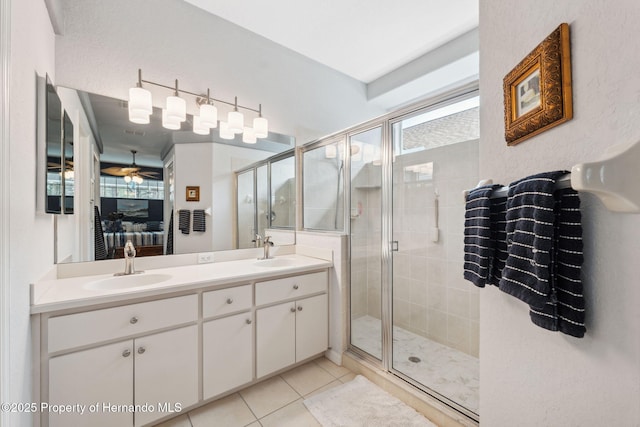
(246, 209)
(67, 164)
(143, 172)
(256, 217)
(323, 186)
(283, 192)
(262, 197)
(54, 150)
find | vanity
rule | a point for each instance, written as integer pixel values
(131, 350)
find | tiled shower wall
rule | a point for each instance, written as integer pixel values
(430, 296)
(365, 240)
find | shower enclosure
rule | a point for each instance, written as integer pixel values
(411, 311)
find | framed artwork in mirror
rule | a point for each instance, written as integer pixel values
(537, 92)
(193, 194)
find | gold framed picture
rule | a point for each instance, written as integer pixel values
(193, 194)
(537, 92)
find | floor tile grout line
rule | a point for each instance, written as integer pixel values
(315, 389)
(276, 410)
(326, 370)
(292, 387)
(249, 407)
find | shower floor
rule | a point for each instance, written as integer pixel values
(448, 371)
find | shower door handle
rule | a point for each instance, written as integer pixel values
(394, 246)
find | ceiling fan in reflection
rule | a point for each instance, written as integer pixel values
(131, 173)
(56, 167)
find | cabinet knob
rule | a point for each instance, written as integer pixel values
(126, 353)
(299, 308)
(249, 321)
(296, 286)
(141, 350)
(229, 300)
(293, 309)
(133, 320)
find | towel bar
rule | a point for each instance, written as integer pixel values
(614, 179)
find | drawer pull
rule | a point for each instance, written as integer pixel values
(296, 286)
(299, 308)
(249, 321)
(133, 320)
(229, 300)
(141, 350)
(126, 353)
(293, 309)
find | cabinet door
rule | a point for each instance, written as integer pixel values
(312, 326)
(166, 372)
(102, 375)
(275, 338)
(227, 353)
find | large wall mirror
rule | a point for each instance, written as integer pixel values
(133, 179)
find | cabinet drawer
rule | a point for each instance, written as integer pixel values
(290, 287)
(80, 329)
(224, 301)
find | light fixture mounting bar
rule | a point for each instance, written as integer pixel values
(198, 95)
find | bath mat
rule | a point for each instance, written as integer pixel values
(360, 403)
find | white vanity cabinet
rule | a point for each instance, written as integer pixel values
(291, 331)
(102, 374)
(128, 372)
(227, 342)
(132, 364)
(166, 372)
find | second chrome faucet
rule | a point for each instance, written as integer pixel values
(266, 245)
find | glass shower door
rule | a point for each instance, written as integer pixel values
(435, 311)
(366, 240)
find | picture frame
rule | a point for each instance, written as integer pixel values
(537, 92)
(193, 194)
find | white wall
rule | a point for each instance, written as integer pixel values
(31, 234)
(192, 167)
(530, 376)
(171, 39)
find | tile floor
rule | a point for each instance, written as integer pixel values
(446, 370)
(276, 402)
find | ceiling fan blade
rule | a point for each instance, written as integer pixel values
(149, 174)
(114, 171)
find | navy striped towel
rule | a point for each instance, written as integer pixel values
(480, 234)
(199, 223)
(100, 250)
(170, 236)
(184, 220)
(544, 245)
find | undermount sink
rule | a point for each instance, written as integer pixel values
(274, 262)
(129, 281)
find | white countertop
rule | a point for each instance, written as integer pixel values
(60, 294)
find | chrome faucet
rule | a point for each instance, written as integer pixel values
(129, 257)
(266, 244)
